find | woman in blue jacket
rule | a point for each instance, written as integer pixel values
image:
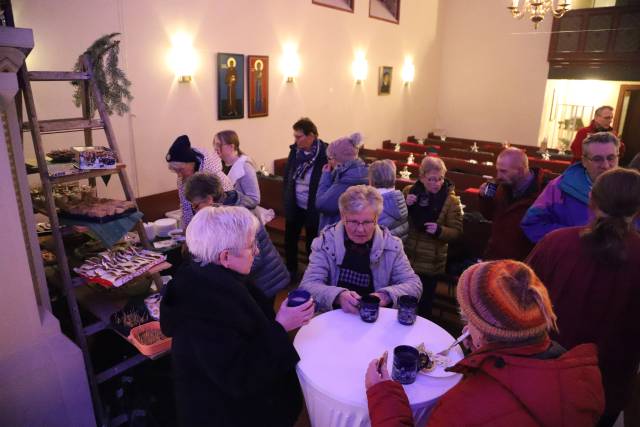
(343, 170)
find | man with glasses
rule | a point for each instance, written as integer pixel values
(355, 257)
(601, 123)
(565, 201)
(518, 186)
(302, 174)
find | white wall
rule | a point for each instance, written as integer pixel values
(324, 91)
(585, 95)
(494, 71)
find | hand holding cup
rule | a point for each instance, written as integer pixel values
(294, 317)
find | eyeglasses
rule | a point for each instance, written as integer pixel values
(434, 179)
(253, 247)
(600, 159)
(355, 224)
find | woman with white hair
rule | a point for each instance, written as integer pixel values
(435, 216)
(355, 257)
(395, 215)
(184, 161)
(234, 364)
(343, 170)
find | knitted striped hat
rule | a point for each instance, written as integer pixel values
(506, 301)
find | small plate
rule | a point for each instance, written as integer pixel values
(442, 362)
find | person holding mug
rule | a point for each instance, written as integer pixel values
(230, 351)
(515, 374)
(435, 218)
(505, 200)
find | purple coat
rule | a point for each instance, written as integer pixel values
(563, 203)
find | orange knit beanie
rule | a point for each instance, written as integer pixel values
(506, 301)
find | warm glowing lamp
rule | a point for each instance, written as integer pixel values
(359, 67)
(290, 62)
(408, 71)
(182, 57)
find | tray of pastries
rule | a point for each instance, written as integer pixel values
(97, 209)
(114, 268)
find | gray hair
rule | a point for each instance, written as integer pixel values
(359, 197)
(382, 174)
(600, 138)
(213, 230)
(430, 163)
(599, 110)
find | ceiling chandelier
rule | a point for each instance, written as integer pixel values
(537, 9)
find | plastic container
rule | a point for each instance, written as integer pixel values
(164, 225)
(149, 350)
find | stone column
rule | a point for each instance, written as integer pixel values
(43, 378)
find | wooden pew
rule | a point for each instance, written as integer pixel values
(156, 205)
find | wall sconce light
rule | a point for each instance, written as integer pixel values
(290, 62)
(182, 57)
(359, 67)
(408, 71)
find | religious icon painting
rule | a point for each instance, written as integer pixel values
(230, 86)
(258, 85)
(384, 80)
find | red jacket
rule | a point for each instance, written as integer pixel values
(516, 387)
(581, 134)
(507, 239)
(389, 406)
(504, 387)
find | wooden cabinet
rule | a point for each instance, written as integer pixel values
(596, 43)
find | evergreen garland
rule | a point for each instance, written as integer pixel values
(110, 79)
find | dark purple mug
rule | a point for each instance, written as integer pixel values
(297, 297)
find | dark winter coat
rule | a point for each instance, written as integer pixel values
(234, 365)
(507, 240)
(595, 302)
(290, 184)
(268, 271)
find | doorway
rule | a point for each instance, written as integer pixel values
(627, 125)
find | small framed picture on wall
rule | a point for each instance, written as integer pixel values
(385, 77)
(230, 86)
(258, 85)
(386, 10)
(346, 5)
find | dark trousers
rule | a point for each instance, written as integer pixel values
(292, 229)
(429, 284)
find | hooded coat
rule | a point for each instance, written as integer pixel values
(395, 215)
(563, 203)
(333, 184)
(527, 386)
(234, 365)
(390, 267)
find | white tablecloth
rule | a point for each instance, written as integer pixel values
(335, 349)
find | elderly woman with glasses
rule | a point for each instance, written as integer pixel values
(356, 257)
(234, 364)
(435, 218)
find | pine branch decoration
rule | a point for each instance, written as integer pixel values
(110, 79)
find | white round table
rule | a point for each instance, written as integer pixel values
(335, 349)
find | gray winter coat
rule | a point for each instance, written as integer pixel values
(390, 267)
(395, 214)
(333, 184)
(268, 271)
